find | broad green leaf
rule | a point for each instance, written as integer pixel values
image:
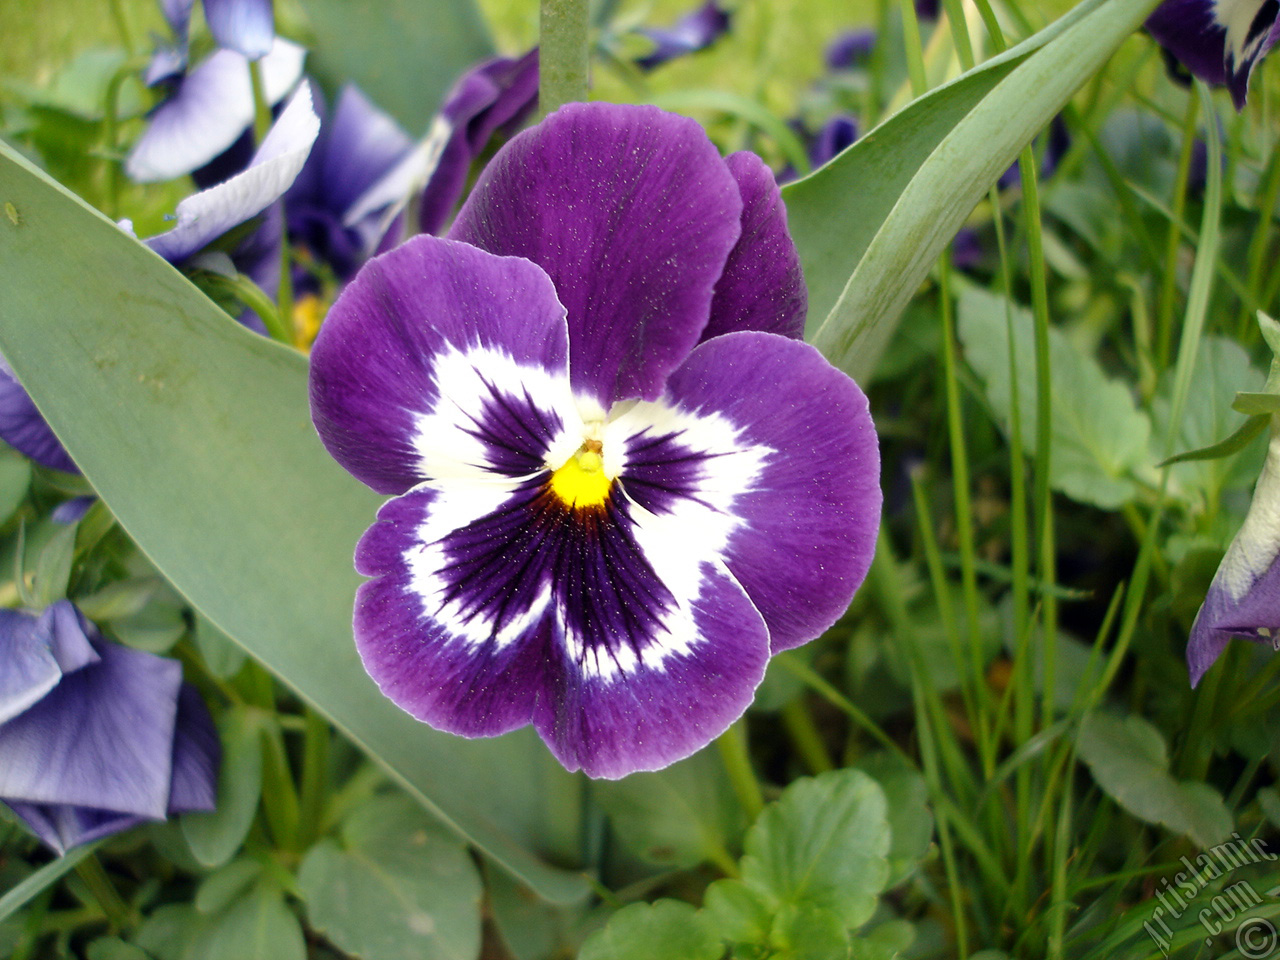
(257, 926)
(1222, 368)
(531, 928)
(395, 888)
(678, 817)
(910, 820)
(403, 54)
(871, 224)
(823, 843)
(666, 930)
(1129, 760)
(1100, 437)
(214, 837)
(197, 434)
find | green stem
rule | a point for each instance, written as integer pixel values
(1169, 279)
(564, 54)
(737, 762)
(914, 48)
(119, 916)
(261, 109)
(315, 764)
(252, 296)
(806, 737)
(122, 25)
(1261, 242)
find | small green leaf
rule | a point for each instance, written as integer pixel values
(223, 887)
(1254, 404)
(1100, 437)
(666, 930)
(113, 948)
(157, 626)
(1251, 428)
(738, 912)
(888, 940)
(824, 843)
(910, 820)
(805, 931)
(219, 652)
(214, 837)
(395, 888)
(678, 817)
(53, 567)
(1130, 762)
(15, 478)
(257, 926)
(124, 598)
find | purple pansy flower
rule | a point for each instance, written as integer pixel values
(621, 481)
(357, 147)
(96, 737)
(1244, 598)
(693, 32)
(1220, 41)
(245, 26)
(209, 109)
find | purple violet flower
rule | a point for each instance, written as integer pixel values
(1244, 598)
(357, 147)
(244, 26)
(1220, 41)
(96, 737)
(208, 111)
(693, 32)
(621, 481)
(851, 50)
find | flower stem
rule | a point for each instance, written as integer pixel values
(95, 878)
(733, 750)
(261, 109)
(564, 53)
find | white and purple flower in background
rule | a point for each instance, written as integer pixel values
(96, 737)
(1244, 598)
(1219, 41)
(621, 481)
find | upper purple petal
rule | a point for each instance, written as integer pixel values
(207, 215)
(23, 428)
(762, 287)
(246, 26)
(211, 108)
(633, 214)
(809, 524)
(692, 32)
(197, 754)
(374, 364)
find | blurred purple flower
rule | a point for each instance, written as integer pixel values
(850, 50)
(1059, 142)
(621, 480)
(1219, 42)
(96, 737)
(246, 27)
(1244, 598)
(693, 32)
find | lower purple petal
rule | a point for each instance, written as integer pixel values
(23, 428)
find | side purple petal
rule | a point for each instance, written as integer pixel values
(762, 287)
(207, 215)
(246, 26)
(197, 754)
(209, 111)
(632, 213)
(28, 669)
(387, 330)
(102, 738)
(1219, 52)
(62, 826)
(23, 428)
(810, 523)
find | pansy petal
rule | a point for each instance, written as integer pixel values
(197, 753)
(246, 26)
(30, 670)
(633, 214)
(361, 144)
(808, 523)
(492, 95)
(207, 215)
(69, 636)
(450, 335)
(494, 608)
(62, 826)
(1219, 42)
(212, 107)
(23, 428)
(101, 738)
(762, 287)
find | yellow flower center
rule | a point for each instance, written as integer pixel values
(581, 482)
(308, 311)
